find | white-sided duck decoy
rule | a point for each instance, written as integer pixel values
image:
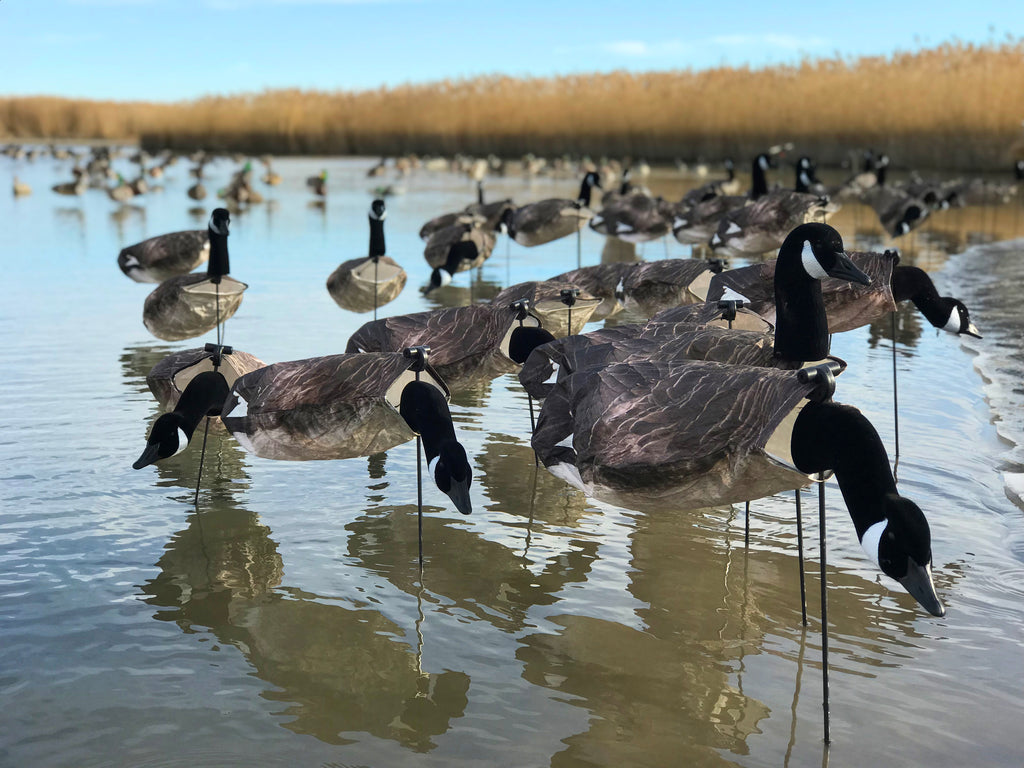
(546, 220)
(850, 306)
(366, 283)
(468, 345)
(563, 308)
(164, 256)
(190, 305)
(458, 248)
(665, 436)
(811, 252)
(343, 406)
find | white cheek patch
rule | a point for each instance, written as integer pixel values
(446, 278)
(182, 442)
(553, 378)
(241, 409)
(763, 162)
(565, 442)
(953, 324)
(679, 223)
(716, 240)
(131, 262)
(811, 264)
(620, 227)
(432, 466)
(871, 538)
(733, 228)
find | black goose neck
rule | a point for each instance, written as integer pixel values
(462, 251)
(204, 396)
(426, 412)
(914, 283)
(377, 246)
(759, 187)
(801, 322)
(836, 437)
(219, 264)
(585, 188)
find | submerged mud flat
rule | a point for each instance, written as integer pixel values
(285, 620)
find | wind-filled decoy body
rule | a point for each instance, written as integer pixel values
(164, 256)
(363, 284)
(546, 220)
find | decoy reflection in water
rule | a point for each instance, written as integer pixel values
(371, 281)
(190, 305)
(164, 256)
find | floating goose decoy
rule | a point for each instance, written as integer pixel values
(728, 187)
(551, 219)
(468, 344)
(898, 210)
(635, 218)
(363, 284)
(164, 256)
(122, 192)
(203, 396)
(696, 223)
(343, 406)
(318, 184)
(603, 281)
(491, 213)
(457, 248)
(20, 188)
(76, 187)
(169, 377)
(807, 180)
(562, 307)
(657, 436)
(811, 252)
(851, 306)
(190, 305)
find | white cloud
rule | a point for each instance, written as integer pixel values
(641, 49)
(770, 40)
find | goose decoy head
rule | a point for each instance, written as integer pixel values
(1018, 170)
(220, 221)
(505, 224)
(377, 210)
(453, 475)
(764, 161)
(167, 438)
(821, 253)
(439, 278)
(901, 547)
(524, 340)
(911, 216)
(959, 321)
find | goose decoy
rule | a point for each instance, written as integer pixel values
(695, 223)
(634, 217)
(562, 307)
(203, 396)
(807, 181)
(270, 177)
(76, 187)
(190, 305)
(810, 252)
(899, 211)
(20, 188)
(763, 225)
(546, 220)
(467, 344)
(366, 283)
(654, 435)
(458, 248)
(348, 405)
(169, 377)
(851, 306)
(121, 192)
(490, 213)
(318, 183)
(730, 186)
(164, 256)
(603, 281)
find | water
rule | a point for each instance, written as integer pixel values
(286, 622)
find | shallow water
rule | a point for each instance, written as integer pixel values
(285, 620)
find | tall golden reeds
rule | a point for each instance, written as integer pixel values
(954, 106)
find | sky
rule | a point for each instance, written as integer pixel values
(167, 50)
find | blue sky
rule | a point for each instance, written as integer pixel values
(177, 49)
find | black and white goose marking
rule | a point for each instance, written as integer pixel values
(634, 218)
(190, 305)
(366, 283)
(343, 406)
(204, 396)
(656, 435)
(763, 225)
(546, 220)
(458, 248)
(164, 256)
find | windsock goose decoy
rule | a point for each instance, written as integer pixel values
(171, 432)
(850, 306)
(635, 218)
(546, 220)
(159, 258)
(190, 305)
(458, 248)
(342, 406)
(169, 377)
(363, 284)
(657, 436)
(555, 303)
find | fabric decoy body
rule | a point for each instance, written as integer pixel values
(366, 283)
(547, 220)
(190, 305)
(468, 345)
(348, 405)
(454, 249)
(165, 256)
(554, 303)
(169, 377)
(634, 217)
(810, 252)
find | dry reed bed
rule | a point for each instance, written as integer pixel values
(955, 107)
